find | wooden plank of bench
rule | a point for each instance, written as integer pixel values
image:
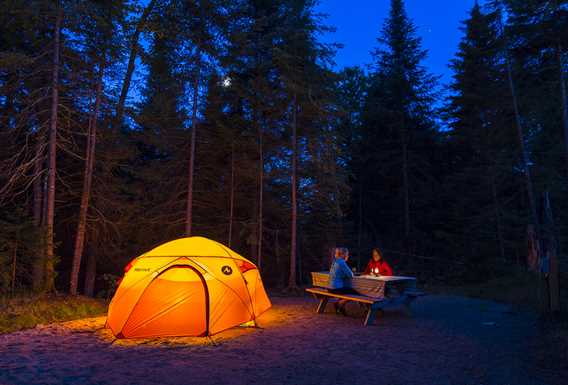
(348, 297)
(373, 305)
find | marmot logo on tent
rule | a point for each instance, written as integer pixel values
(227, 270)
(141, 269)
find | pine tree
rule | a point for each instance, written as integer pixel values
(398, 135)
(479, 137)
(161, 138)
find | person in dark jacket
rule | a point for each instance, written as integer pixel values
(377, 265)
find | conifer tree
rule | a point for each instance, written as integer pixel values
(479, 134)
(398, 134)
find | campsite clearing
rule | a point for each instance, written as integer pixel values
(448, 340)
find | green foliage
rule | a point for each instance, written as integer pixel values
(27, 312)
(20, 243)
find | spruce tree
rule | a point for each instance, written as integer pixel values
(479, 138)
(161, 137)
(398, 133)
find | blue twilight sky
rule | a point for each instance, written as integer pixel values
(358, 23)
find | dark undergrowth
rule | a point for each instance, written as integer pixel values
(522, 289)
(25, 312)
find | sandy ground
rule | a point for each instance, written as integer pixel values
(447, 340)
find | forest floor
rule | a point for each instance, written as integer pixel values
(447, 340)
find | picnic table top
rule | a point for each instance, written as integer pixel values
(384, 278)
(387, 278)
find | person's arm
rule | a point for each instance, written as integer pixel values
(367, 269)
(345, 268)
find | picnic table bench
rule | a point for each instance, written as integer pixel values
(374, 293)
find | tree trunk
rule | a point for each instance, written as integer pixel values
(338, 211)
(39, 260)
(564, 100)
(497, 209)
(189, 209)
(37, 188)
(260, 196)
(281, 277)
(52, 169)
(359, 226)
(550, 256)
(405, 190)
(294, 190)
(131, 64)
(87, 181)
(90, 275)
(524, 154)
(14, 261)
(232, 194)
(253, 238)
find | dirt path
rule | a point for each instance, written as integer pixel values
(448, 340)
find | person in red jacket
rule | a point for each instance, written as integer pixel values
(378, 265)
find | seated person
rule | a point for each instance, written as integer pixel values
(378, 265)
(340, 276)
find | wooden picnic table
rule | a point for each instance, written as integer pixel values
(370, 285)
(374, 292)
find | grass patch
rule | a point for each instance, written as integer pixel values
(27, 312)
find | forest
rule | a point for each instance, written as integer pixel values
(128, 123)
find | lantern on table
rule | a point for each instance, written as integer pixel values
(375, 271)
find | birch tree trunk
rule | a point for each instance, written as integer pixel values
(524, 154)
(39, 260)
(52, 168)
(294, 190)
(87, 181)
(518, 124)
(189, 204)
(134, 46)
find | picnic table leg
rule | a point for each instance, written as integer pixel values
(371, 314)
(322, 304)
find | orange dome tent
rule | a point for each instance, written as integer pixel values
(188, 287)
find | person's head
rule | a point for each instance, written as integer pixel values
(377, 256)
(341, 252)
